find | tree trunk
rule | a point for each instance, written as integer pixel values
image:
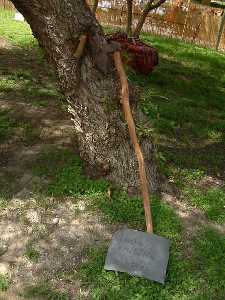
(129, 17)
(91, 89)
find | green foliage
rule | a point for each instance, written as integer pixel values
(124, 209)
(31, 253)
(31, 134)
(211, 202)
(218, 4)
(7, 125)
(68, 179)
(201, 277)
(209, 261)
(17, 32)
(195, 93)
(3, 202)
(4, 283)
(184, 99)
(44, 291)
(31, 88)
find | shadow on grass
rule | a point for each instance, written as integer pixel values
(184, 98)
(186, 106)
(25, 75)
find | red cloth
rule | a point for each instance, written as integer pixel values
(141, 57)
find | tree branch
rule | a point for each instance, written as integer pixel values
(148, 7)
(95, 6)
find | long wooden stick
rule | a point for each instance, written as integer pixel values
(134, 139)
(81, 45)
(83, 38)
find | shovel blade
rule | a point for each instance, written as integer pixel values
(139, 253)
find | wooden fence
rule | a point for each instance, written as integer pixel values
(189, 22)
(192, 23)
(5, 4)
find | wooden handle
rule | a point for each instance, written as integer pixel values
(134, 139)
(81, 46)
(83, 38)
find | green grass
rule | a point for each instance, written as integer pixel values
(19, 33)
(211, 202)
(4, 283)
(29, 86)
(44, 291)
(208, 262)
(66, 178)
(3, 201)
(184, 98)
(31, 134)
(129, 210)
(198, 277)
(31, 253)
(10, 125)
(64, 169)
(30, 79)
(195, 268)
(7, 125)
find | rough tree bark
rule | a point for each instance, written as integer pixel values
(91, 89)
(129, 17)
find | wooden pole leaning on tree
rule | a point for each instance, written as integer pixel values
(134, 139)
(83, 38)
(130, 122)
(131, 127)
(80, 48)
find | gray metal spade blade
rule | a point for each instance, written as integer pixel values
(139, 253)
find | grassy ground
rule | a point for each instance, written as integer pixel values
(184, 98)
(185, 102)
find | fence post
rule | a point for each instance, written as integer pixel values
(219, 36)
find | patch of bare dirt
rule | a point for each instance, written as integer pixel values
(60, 234)
(5, 44)
(59, 231)
(193, 218)
(208, 182)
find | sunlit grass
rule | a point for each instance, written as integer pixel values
(4, 283)
(19, 33)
